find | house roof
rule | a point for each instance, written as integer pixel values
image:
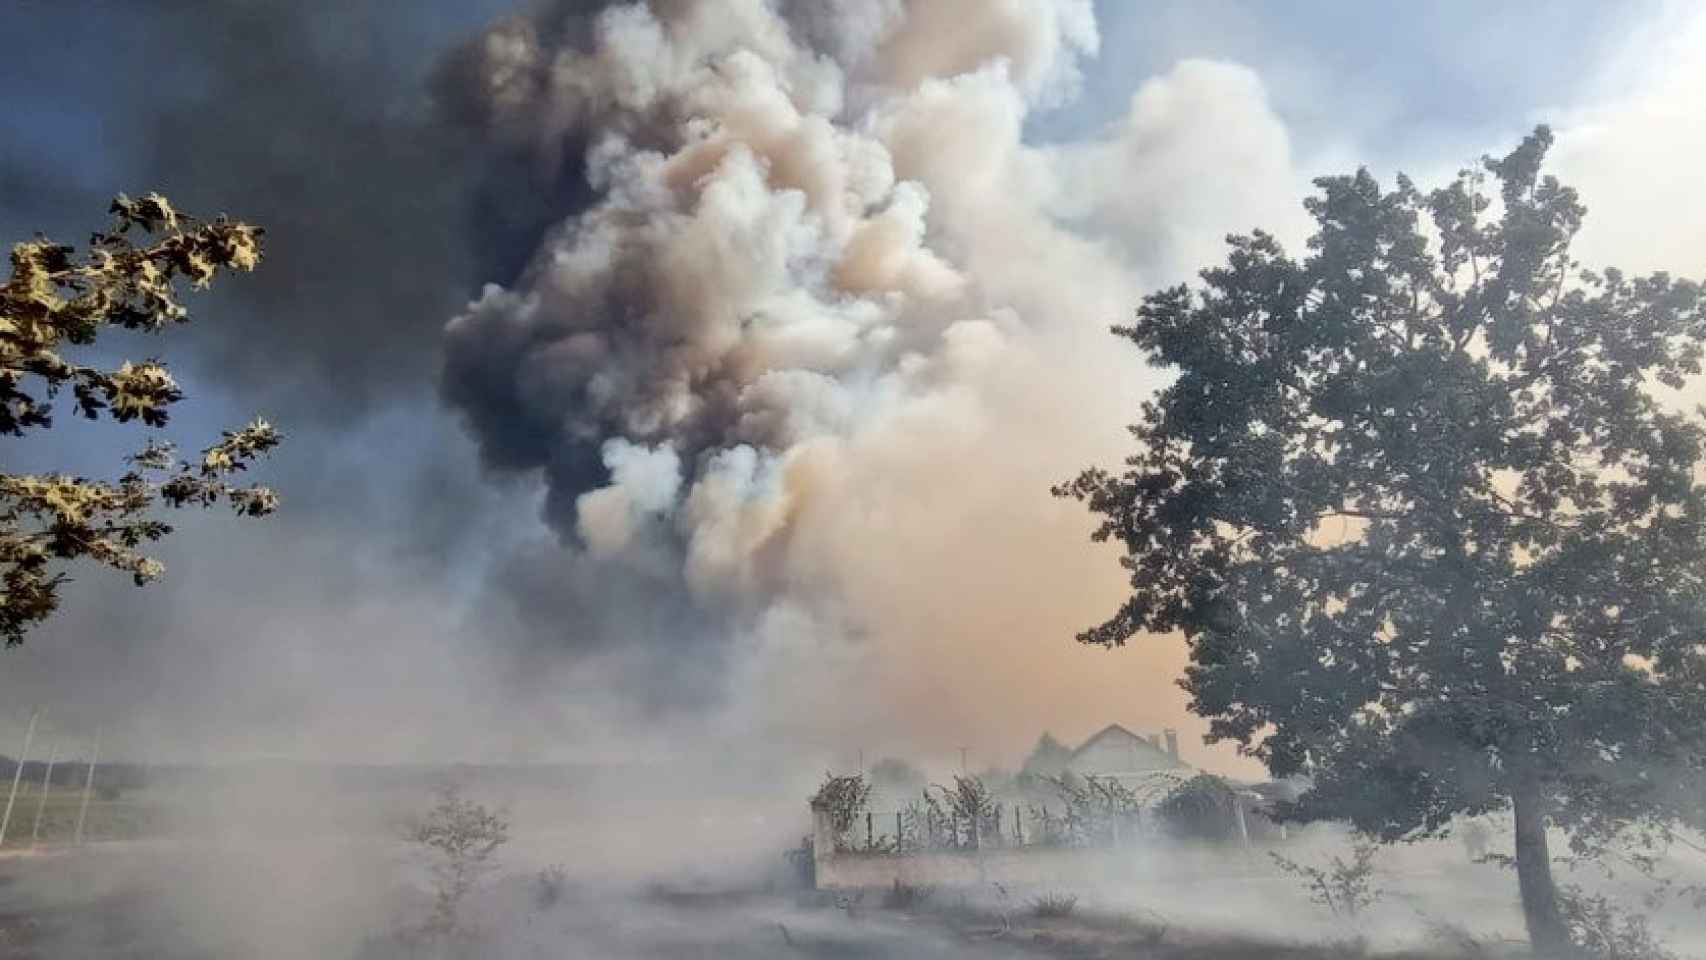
(1142, 744)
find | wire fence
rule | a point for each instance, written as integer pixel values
(920, 828)
(1053, 812)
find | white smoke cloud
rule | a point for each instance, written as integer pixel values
(1633, 150)
(643, 485)
(832, 326)
(1209, 150)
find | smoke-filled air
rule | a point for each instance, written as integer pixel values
(786, 359)
(852, 478)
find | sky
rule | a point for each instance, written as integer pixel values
(492, 547)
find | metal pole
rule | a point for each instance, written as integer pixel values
(18, 774)
(41, 801)
(88, 785)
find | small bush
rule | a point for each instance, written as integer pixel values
(1345, 887)
(1054, 906)
(907, 896)
(1201, 808)
(852, 904)
(1150, 926)
(549, 886)
(460, 838)
(1601, 931)
(844, 799)
(802, 863)
(1456, 941)
(1346, 948)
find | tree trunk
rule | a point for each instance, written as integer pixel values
(1546, 931)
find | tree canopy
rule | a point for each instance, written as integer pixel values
(1048, 758)
(1426, 518)
(56, 298)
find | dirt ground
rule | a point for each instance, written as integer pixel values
(280, 872)
(106, 904)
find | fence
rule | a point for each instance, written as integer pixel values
(1055, 821)
(918, 828)
(1022, 845)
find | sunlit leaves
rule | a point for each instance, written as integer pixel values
(55, 299)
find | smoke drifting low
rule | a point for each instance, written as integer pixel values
(800, 361)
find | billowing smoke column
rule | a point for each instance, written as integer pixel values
(807, 346)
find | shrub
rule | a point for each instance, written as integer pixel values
(843, 799)
(460, 836)
(1602, 931)
(1054, 906)
(907, 896)
(1345, 887)
(967, 810)
(803, 862)
(1094, 811)
(1200, 809)
(549, 886)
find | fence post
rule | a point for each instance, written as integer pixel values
(899, 834)
(88, 787)
(869, 838)
(41, 801)
(1018, 829)
(18, 773)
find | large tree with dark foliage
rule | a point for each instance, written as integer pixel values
(1426, 508)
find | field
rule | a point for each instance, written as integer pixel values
(131, 816)
(299, 865)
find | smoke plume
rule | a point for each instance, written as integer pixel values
(804, 350)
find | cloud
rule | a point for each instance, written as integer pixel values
(1632, 149)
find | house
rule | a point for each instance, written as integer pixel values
(1117, 753)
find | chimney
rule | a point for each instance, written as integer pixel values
(1172, 744)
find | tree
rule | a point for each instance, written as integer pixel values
(896, 777)
(1427, 528)
(1201, 808)
(843, 799)
(1048, 758)
(55, 298)
(461, 836)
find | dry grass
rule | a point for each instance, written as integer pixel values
(130, 817)
(1054, 906)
